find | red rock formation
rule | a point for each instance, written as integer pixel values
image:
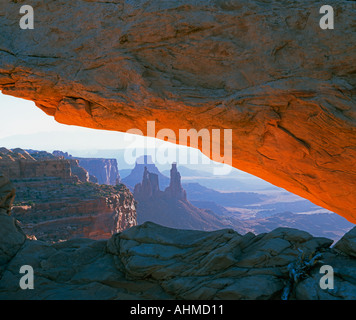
(77, 170)
(105, 170)
(55, 200)
(20, 164)
(148, 187)
(60, 211)
(20, 169)
(264, 69)
(153, 262)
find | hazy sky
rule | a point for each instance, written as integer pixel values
(23, 125)
(18, 116)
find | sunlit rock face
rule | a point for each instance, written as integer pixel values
(264, 69)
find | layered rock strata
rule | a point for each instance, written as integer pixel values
(53, 210)
(19, 164)
(102, 171)
(55, 200)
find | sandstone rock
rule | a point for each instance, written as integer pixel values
(264, 69)
(12, 237)
(155, 262)
(55, 200)
(7, 195)
(259, 287)
(344, 280)
(347, 244)
(104, 171)
(57, 210)
(19, 164)
(137, 173)
(148, 187)
(78, 171)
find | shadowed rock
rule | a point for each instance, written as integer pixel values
(12, 237)
(154, 262)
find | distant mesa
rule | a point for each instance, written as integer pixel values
(137, 172)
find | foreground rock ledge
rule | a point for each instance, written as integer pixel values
(262, 68)
(154, 262)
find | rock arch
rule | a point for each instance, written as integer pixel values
(265, 70)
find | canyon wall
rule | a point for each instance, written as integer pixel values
(57, 211)
(266, 70)
(55, 200)
(104, 170)
(19, 164)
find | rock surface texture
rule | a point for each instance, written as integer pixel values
(57, 211)
(19, 164)
(154, 262)
(262, 68)
(55, 200)
(12, 237)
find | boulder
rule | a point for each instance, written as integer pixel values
(150, 261)
(347, 244)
